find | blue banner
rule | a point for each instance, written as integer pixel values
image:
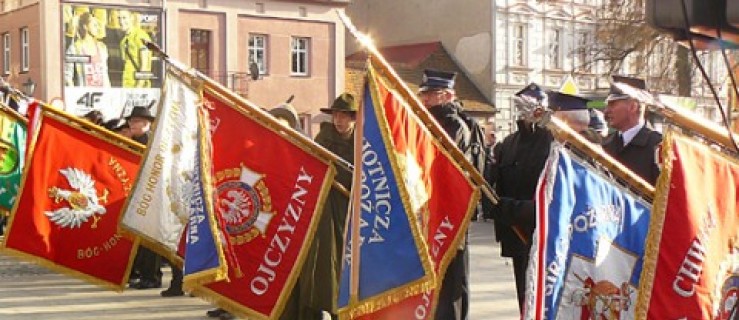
(588, 252)
(204, 259)
(393, 261)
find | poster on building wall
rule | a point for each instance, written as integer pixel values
(106, 65)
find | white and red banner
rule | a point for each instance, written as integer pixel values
(158, 207)
(270, 190)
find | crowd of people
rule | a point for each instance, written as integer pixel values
(513, 167)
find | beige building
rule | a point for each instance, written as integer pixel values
(79, 53)
(463, 30)
(501, 45)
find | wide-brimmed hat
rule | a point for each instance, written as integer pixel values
(616, 94)
(140, 112)
(437, 80)
(286, 111)
(345, 103)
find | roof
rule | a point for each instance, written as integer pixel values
(409, 61)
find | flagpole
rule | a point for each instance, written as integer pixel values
(683, 118)
(13, 113)
(356, 204)
(563, 132)
(258, 112)
(421, 112)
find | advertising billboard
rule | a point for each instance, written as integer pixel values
(106, 65)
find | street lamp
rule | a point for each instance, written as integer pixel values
(29, 87)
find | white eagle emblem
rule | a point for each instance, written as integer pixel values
(245, 205)
(84, 201)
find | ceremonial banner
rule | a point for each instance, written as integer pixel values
(441, 197)
(388, 228)
(160, 204)
(586, 258)
(13, 150)
(204, 252)
(691, 266)
(270, 191)
(72, 195)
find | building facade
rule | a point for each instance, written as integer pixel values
(502, 45)
(85, 55)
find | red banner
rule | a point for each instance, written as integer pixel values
(691, 267)
(74, 187)
(441, 196)
(270, 191)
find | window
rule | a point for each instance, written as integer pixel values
(554, 54)
(519, 45)
(583, 62)
(258, 51)
(25, 50)
(300, 56)
(200, 50)
(6, 53)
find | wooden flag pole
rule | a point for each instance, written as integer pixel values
(256, 111)
(563, 132)
(356, 206)
(384, 67)
(9, 111)
(683, 118)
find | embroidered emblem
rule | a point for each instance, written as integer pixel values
(244, 204)
(83, 200)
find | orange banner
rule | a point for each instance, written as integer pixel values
(71, 197)
(691, 268)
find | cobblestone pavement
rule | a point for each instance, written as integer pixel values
(12, 268)
(31, 292)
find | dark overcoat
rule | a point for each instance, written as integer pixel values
(318, 283)
(639, 154)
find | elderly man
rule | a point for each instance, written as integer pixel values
(634, 144)
(573, 110)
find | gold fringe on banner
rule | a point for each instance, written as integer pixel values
(564, 133)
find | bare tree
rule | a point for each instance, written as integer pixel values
(626, 44)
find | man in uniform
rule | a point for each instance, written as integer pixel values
(573, 110)
(437, 95)
(633, 144)
(520, 160)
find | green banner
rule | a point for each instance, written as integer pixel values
(12, 155)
